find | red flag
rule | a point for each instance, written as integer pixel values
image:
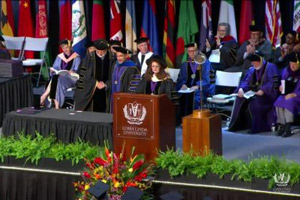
(98, 25)
(246, 19)
(65, 25)
(25, 23)
(115, 20)
(41, 20)
(169, 34)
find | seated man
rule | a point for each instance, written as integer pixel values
(288, 103)
(256, 112)
(95, 71)
(227, 46)
(189, 77)
(256, 43)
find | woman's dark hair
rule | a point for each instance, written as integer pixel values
(162, 66)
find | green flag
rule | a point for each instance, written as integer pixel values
(187, 28)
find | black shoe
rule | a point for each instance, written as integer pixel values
(288, 131)
(281, 130)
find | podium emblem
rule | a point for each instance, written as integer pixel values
(135, 113)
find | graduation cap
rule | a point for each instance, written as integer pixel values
(141, 40)
(89, 44)
(1, 38)
(172, 196)
(115, 42)
(158, 59)
(65, 41)
(121, 49)
(293, 57)
(132, 193)
(254, 28)
(194, 44)
(101, 44)
(256, 56)
(99, 190)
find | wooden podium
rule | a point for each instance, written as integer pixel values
(202, 131)
(144, 121)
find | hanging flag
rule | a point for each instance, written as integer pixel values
(7, 20)
(187, 28)
(205, 24)
(115, 20)
(273, 22)
(130, 26)
(78, 28)
(227, 15)
(98, 25)
(296, 17)
(41, 29)
(65, 25)
(245, 21)
(149, 26)
(25, 23)
(169, 37)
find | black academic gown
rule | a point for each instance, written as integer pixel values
(87, 96)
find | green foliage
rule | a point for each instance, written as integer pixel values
(33, 148)
(178, 163)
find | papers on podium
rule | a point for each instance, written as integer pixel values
(249, 94)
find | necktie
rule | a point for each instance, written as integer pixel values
(143, 58)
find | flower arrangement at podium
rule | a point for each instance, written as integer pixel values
(116, 172)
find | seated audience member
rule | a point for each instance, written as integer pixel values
(256, 112)
(288, 104)
(90, 47)
(227, 46)
(156, 80)
(4, 53)
(285, 49)
(58, 85)
(256, 43)
(143, 55)
(189, 77)
(124, 73)
(95, 71)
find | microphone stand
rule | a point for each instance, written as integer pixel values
(200, 85)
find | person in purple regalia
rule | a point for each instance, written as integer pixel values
(189, 77)
(288, 103)
(257, 112)
(58, 85)
(156, 80)
(124, 73)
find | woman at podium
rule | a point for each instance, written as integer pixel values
(64, 74)
(288, 103)
(156, 81)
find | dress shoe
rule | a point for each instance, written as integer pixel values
(288, 131)
(281, 130)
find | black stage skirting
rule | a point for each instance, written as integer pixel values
(15, 93)
(67, 125)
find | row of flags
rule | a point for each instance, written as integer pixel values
(73, 23)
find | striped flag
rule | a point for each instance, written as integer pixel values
(98, 25)
(7, 20)
(296, 18)
(78, 27)
(205, 23)
(65, 24)
(115, 20)
(130, 26)
(187, 28)
(227, 15)
(245, 21)
(169, 34)
(149, 25)
(273, 22)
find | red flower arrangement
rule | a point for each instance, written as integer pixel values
(115, 171)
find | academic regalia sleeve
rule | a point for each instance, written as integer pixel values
(228, 53)
(76, 64)
(168, 88)
(129, 74)
(86, 85)
(141, 88)
(57, 63)
(268, 85)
